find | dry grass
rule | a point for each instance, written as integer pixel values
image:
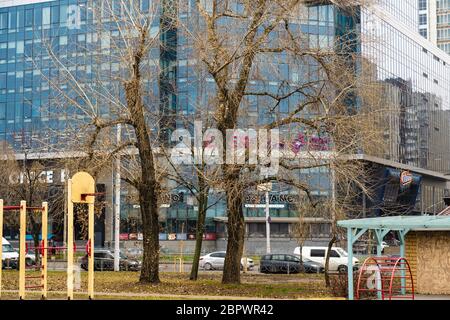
(119, 285)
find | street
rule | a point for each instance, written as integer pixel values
(163, 267)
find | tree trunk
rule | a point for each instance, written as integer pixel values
(327, 261)
(150, 224)
(203, 190)
(198, 244)
(235, 244)
(149, 186)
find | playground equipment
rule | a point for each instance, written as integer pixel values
(178, 261)
(23, 278)
(81, 189)
(385, 278)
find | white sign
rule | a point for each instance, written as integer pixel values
(45, 176)
(262, 206)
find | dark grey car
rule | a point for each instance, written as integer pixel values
(288, 263)
(104, 261)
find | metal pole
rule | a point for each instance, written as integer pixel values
(69, 241)
(22, 248)
(379, 236)
(65, 215)
(91, 255)
(267, 223)
(117, 206)
(267, 218)
(403, 265)
(44, 244)
(350, 263)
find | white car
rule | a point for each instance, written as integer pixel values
(216, 260)
(338, 257)
(9, 253)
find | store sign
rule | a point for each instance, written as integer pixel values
(273, 198)
(45, 176)
(172, 236)
(209, 236)
(191, 236)
(406, 178)
(171, 197)
(133, 236)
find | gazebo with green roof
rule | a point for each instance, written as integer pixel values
(381, 227)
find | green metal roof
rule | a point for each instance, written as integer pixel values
(399, 223)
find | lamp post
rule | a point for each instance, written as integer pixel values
(117, 205)
(267, 187)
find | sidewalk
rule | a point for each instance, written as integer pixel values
(431, 297)
(158, 296)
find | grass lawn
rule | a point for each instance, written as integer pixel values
(121, 284)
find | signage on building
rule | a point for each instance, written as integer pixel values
(45, 176)
(171, 197)
(166, 199)
(406, 178)
(209, 236)
(172, 236)
(191, 236)
(133, 236)
(273, 198)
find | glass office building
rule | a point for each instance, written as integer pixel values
(413, 72)
(415, 76)
(434, 22)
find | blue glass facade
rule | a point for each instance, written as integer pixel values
(31, 109)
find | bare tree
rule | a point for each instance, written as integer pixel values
(27, 180)
(242, 47)
(121, 95)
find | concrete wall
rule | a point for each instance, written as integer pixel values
(429, 255)
(253, 246)
(171, 247)
(257, 246)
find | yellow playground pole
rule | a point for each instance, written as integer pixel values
(81, 189)
(1, 244)
(22, 248)
(91, 246)
(44, 249)
(69, 241)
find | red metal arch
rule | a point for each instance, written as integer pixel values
(388, 273)
(402, 264)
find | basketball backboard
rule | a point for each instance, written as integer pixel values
(82, 183)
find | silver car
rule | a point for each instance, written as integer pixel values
(216, 260)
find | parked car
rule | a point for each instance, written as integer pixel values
(104, 261)
(362, 247)
(216, 260)
(338, 257)
(288, 263)
(10, 256)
